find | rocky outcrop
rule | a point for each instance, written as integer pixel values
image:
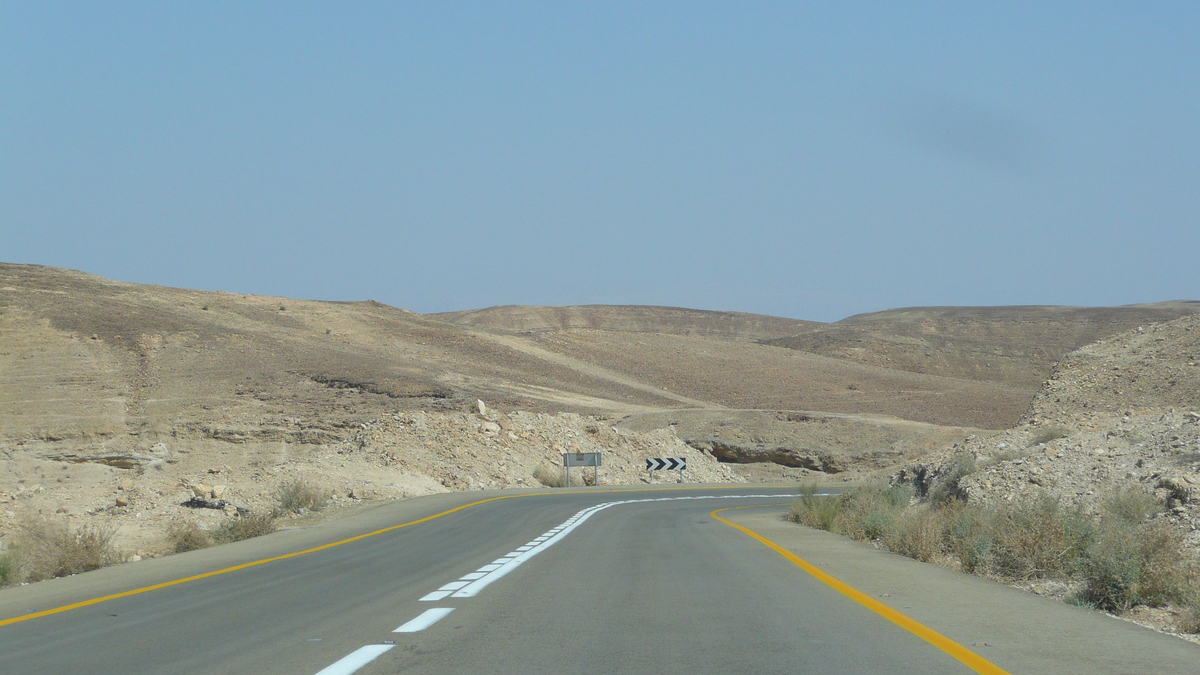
(1124, 412)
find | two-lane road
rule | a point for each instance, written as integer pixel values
(588, 581)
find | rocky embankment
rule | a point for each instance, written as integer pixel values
(406, 454)
(813, 445)
(1122, 412)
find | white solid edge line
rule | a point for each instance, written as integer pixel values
(472, 589)
(355, 660)
(425, 620)
(436, 595)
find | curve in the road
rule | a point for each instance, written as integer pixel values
(314, 549)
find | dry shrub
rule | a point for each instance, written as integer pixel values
(299, 496)
(866, 512)
(917, 534)
(1129, 564)
(554, 478)
(187, 536)
(1123, 557)
(46, 548)
(1048, 434)
(1132, 504)
(947, 489)
(1038, 539)
(8, 569)
(244, 527)
(813, 510)
(1189, 618)
(969, 536)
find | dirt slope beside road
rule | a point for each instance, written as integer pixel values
(1119, 413)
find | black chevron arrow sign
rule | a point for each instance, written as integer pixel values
(669, 463)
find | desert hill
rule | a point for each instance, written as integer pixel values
(631, 319)
(120, 398)
(1016, 345)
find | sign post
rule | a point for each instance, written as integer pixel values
(591, 459)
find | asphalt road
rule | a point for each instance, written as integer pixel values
(543, 584)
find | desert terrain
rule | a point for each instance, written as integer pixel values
(120, 401)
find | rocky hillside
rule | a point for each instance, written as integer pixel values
(1122, 412)
(115, 396)
(401, 455)
(1014, 345)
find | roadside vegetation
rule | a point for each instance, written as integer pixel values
(45, 548)
(296, 497)
(1114, 560)
(555, 478)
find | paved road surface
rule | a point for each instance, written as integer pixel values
(543, 584)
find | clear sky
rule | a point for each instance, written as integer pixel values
(803, 159)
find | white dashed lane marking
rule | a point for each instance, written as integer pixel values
(471, 584)
(425, 620)
(355, 660)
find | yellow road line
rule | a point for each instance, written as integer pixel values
(965, 656)
(226, 570)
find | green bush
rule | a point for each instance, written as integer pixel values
(1122, 558)
(1131, 504)
(864, 512)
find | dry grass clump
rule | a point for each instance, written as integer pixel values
(1048, 434)
(185, 536)
(917, 533)
(555, 478)
(299, 496)
(1120, 558)
(7, 568)
(244, 527)
(46, 548)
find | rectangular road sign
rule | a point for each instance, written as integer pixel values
(581, 459)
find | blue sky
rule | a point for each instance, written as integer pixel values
(811, 160)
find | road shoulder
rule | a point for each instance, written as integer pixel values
(1023, 633)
